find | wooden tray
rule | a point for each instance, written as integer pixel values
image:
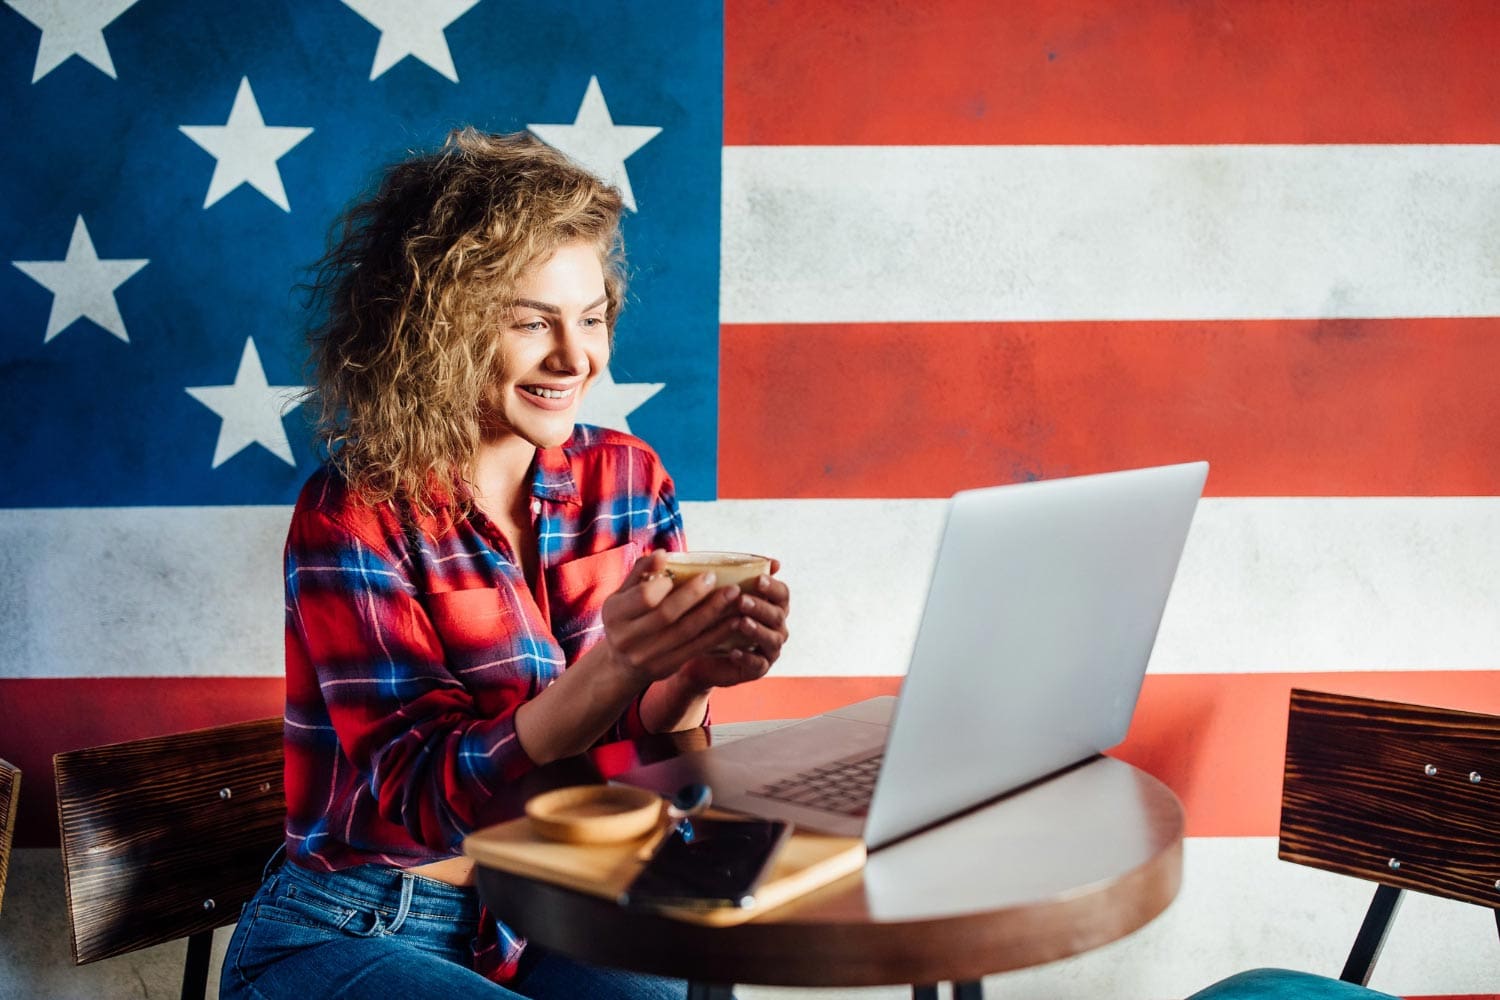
(806, 862)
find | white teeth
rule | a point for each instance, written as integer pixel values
(537, 390)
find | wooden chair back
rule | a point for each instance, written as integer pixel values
(1403, 795)
(10, 795)
(166, 837)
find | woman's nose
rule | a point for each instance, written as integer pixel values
(568, 353)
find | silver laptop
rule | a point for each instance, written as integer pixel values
(1043, 607)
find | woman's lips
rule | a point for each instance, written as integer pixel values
(549, 397)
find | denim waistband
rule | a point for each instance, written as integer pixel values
(381, 887)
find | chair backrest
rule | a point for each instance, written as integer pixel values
(166, 837)
(10, 794)
(1403, 795)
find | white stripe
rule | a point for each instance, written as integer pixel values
(132, 591)
(337, 570)
(528, 657)
(584, 529)
(976, 233)
(375, 623)
(485, 755)
(378, 682)
(1266, 584)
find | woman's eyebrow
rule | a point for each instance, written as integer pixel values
(548, 307)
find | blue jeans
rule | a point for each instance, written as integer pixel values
(380, 932)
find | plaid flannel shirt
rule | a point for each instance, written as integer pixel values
(411, 641)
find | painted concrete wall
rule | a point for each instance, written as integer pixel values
(997, 242)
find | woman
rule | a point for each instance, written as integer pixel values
(473, 582)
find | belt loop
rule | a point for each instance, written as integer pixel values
(408, 884)
(280, 852)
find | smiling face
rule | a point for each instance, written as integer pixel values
(553, 346)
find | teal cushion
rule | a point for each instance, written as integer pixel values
(1282, 984)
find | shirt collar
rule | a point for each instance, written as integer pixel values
(553, 478)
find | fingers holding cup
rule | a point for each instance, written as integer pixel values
(739, 569)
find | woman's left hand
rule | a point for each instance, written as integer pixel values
(761, 620)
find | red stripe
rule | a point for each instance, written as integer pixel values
(1110, 71)
(1401, 407)
(1216, 739)
(43, 717)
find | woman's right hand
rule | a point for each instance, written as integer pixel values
(652, 628)
(650, 631)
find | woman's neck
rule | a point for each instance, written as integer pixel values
(499, 479)
(500, 469)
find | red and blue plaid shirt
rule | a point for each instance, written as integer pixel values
(412, 639)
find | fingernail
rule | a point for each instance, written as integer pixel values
(709, 580)
(746, 604)
(763, 582)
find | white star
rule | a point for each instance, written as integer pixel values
(608, 403)
(247, 149)
(596, 142)
(71, 28)
(251, 410)
(412, 28)
(82, 285)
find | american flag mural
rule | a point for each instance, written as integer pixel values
(880, 252)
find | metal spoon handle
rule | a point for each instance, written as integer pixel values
(690, 800)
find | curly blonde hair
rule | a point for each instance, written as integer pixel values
(418, 275)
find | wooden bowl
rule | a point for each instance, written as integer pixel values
(594, 814)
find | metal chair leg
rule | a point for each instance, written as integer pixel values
(195, 969)
(961, 991)
(1371, 937)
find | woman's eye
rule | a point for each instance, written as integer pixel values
(534, 326)
(593, 322)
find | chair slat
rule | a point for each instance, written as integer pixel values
(10, 796)
(152, 849)
(1368, 782)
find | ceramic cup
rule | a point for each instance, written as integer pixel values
(739, 568)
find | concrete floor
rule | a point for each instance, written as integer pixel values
(1280, 914)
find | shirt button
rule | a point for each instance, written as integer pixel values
(536, 506)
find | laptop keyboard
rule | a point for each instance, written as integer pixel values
(844, 786)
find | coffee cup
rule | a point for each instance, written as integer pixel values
(741, 569)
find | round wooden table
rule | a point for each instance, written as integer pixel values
(1058, 868)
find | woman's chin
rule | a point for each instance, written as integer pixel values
(553, 434)
(538, 433)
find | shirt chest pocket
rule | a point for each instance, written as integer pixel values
(577, 590)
